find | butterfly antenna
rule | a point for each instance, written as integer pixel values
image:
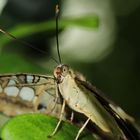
(57, 41)
(26, 44)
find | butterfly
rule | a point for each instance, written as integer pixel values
(81, 96)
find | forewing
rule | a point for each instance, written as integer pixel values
(24, 93)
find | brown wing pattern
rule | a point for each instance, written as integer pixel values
(24, 93)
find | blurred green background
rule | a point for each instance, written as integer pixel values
(99, 38)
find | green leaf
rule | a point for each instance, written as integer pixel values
(27, 29)
(13, 63)
(38, 127)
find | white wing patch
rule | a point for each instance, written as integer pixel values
(11, 91)
(27, 93)
(29, 78)
(11, 83)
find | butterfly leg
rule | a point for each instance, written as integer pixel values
(60, 119)
(82, 128)
(72, 117)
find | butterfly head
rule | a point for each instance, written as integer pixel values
(60, 72)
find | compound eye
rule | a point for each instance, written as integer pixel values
(65, 70)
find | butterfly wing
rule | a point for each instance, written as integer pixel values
(125, 122)
(24, 93)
